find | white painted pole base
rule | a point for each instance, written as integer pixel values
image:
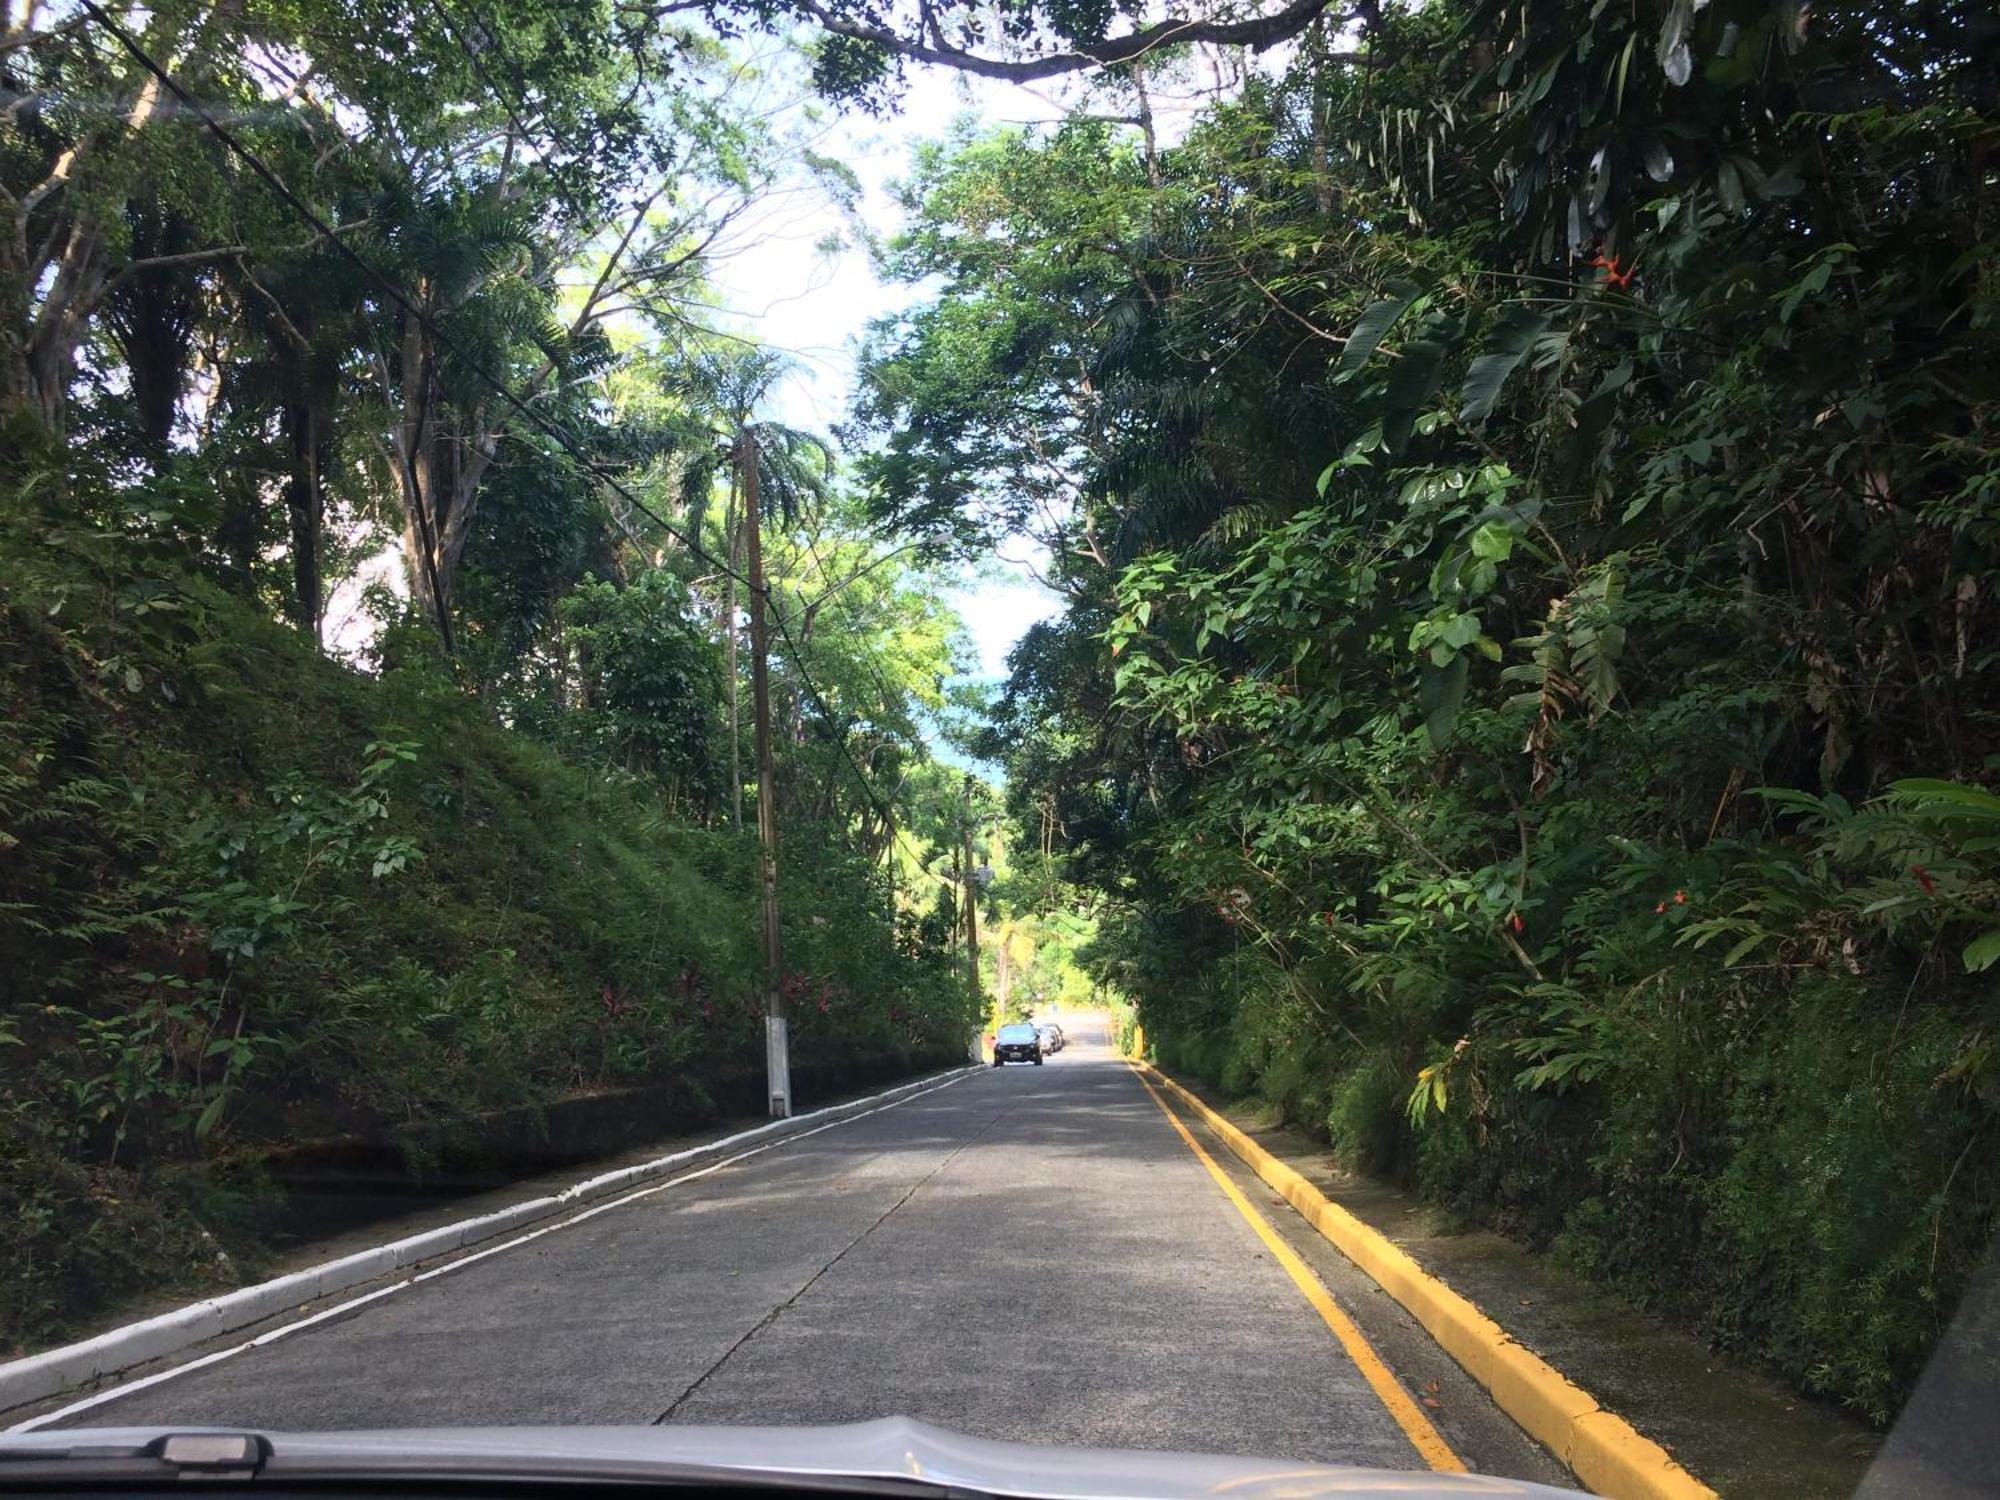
(778, 1066)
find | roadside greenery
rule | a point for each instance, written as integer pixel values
(1528, 505)
(252, 898)
(374, 738)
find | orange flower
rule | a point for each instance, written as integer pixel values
(1612, 275)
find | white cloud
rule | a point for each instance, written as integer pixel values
(998, 612)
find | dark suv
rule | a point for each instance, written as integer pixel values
(1018, 1042)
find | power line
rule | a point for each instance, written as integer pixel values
(424, 320)
(792, 648)
(395, 293)
(456, 29)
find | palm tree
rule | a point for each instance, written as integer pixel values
(793, 474)
(794, 469)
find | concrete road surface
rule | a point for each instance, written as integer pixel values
(1032, 1253)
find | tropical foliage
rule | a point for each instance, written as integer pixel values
(1522, 477)
(373, 753)
(1528, 503)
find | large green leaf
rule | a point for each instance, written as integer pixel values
(1440, 695)
(1926, 794)
(1411, 385)
(1513, 335)
(1983, 951)
(1369, 329)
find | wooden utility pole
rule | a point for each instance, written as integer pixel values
(971, 893)
(733, 525)
(958, 923)
(777, 1054)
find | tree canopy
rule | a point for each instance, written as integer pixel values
(1527, 513)
(372, 758)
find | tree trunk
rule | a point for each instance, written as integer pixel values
(437, 475)
(305, 502)
(59, 325)
(16, 286)
(971, 889)
(55, 294)
(1321, 159)
(777, 1058)
(1146, 132)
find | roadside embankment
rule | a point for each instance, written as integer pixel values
(267, 916)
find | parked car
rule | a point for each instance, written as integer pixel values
(1018, 1042)
(1051, 1035)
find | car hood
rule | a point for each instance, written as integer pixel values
(898, 1452)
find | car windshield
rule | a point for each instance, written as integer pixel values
(600, 601)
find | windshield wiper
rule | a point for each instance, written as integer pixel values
(169, 1458)
(180, 1458)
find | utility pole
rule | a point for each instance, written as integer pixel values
(957, 927)
(777, 1053)
(734, 526)
(971, 893)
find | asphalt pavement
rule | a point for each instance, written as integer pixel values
(1029, 1253)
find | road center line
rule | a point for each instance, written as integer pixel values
(271, 1336)
(1417, 1427)
(811, 1281)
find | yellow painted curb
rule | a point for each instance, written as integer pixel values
(1599, 1447)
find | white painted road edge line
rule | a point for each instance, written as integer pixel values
(57, 1370)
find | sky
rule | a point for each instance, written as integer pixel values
(773, 282)
(779, 287)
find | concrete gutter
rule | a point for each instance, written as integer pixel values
(57, 1371)
(1601, 1448)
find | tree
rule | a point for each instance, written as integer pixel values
(865, 44)
(1490, 489)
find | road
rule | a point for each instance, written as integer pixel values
(1026, 1253)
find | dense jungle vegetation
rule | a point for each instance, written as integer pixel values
(1522, 477)
(288, 854)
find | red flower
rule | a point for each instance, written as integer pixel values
(1515, 919)
(1612, 275)
(1680, 898)
(1661, 907)
(1924, 879)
